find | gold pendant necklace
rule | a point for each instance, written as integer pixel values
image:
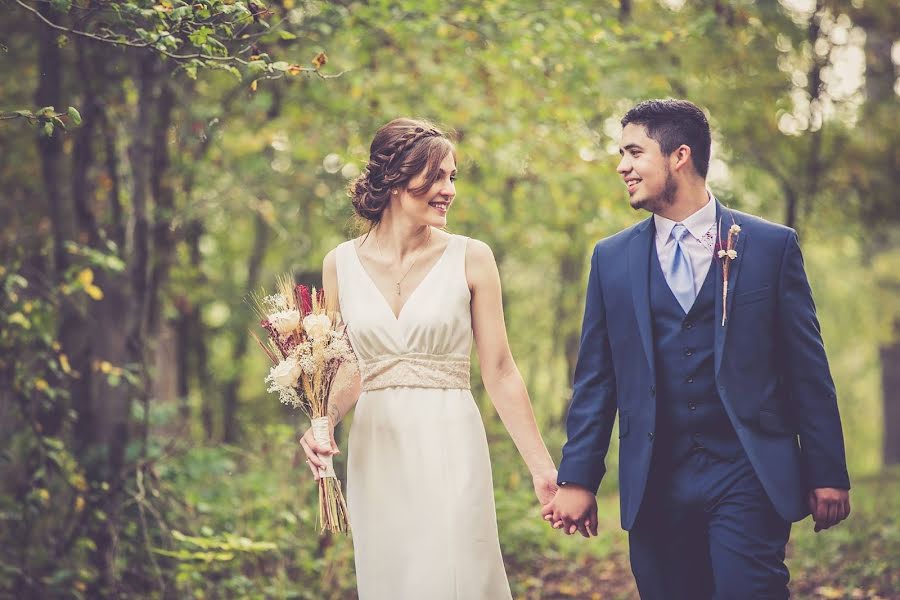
(413, 263)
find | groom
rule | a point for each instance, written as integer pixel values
(701, 332)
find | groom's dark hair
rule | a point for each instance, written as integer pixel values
(673, 123)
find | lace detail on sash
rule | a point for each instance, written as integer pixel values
(448, 371)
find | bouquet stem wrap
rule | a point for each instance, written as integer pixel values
(332, 507)
(321, 432)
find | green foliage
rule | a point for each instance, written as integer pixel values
(40, 474)
(252, 515)
(534, 92)
(46, 120)
(858, 558)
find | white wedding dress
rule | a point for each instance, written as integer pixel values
(419, 489)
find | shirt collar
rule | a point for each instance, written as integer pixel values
(698, 224)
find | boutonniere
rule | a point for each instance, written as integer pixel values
(726, 254)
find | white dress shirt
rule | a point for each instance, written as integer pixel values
(698, 245)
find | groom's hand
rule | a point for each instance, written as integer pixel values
(574, 508)
(829, 506)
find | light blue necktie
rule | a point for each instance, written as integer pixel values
(681, 274)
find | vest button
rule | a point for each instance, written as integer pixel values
(688, 351)
(650, 436)
(692, 406)
(652, 390)
(688, 325)
(690, 379)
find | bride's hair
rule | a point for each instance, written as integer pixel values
(401, 150)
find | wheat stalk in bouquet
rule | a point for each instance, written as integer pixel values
(307, 345)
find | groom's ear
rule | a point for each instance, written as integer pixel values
(682, 157)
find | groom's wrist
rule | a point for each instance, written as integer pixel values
(571, 485)
(585, 473)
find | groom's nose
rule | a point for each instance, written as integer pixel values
(624, 165)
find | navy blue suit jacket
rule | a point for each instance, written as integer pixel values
(770, 366)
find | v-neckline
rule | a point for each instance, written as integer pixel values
(384, 300)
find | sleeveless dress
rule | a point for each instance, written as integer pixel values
(419, 489)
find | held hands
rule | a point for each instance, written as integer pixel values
(315, 451)
(574, 508)
(545, 486)
(829, 506)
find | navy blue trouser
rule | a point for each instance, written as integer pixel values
(706, 529)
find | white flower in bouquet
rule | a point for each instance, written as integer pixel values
(301, 349)
(285, 374)
(317, 326)
(319, 346)
(275, 303)
(307, 363)
(285, 321)
(338, 349)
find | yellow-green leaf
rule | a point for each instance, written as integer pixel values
(86, 277)
(94, 292)
(20, 320)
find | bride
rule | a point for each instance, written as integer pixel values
(419, 489)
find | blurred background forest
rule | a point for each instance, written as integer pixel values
(207, 150)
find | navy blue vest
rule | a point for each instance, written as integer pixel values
(689, 412)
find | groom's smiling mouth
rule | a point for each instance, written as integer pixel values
(632, 184)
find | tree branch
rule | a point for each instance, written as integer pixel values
(152, 45)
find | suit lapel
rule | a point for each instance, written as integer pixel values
(639, 249)
(725, 218)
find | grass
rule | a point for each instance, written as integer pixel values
(262, 492)
(860, 558)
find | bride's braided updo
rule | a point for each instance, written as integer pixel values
(401, 150)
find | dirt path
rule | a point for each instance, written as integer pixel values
(611, 579)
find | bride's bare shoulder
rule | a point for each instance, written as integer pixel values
(478, 253)
(329, 264)
(481, 267)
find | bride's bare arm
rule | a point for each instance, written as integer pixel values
(346, 388)
(499, 372)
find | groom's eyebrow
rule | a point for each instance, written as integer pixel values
(629, 147)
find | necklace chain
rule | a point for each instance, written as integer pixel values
(414, 261)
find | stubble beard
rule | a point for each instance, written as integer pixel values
(665, 198)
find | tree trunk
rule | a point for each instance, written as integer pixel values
(182, 357)
(229, 397)
(116, 213)
(53, 173)
(880, 210)
(83, 152)
(624, 11)
(790, 207)
(121, 341)
(195, 332)
(164, 197)
(160, 336)
(568, 330)
(49, 93)
(890, 388)
(816, 119)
